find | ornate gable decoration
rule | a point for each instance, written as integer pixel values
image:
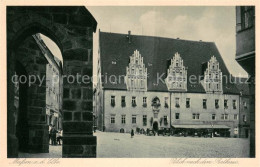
(136, 73)
(213, 77)
(176, 75)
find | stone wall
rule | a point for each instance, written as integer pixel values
(71, 28)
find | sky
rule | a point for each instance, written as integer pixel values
(212, 24)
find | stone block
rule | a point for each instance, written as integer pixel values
(87, 71)
(39, 133)
(76, 93)
(40, 60)
(75, 54)
(67, 45)
(87, 93)
(77, 116)
(41, 89)
(34, 118)
(87, 116)
(69, 105)
(79, 140)
(60, 18)
(72, 149)
(79, 151)
(66, 93)
(67, 116)
(35, 110)
(77, 127)
(87, 105)
(39, 103)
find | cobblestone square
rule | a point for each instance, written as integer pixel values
(121, 145)
(118, 145)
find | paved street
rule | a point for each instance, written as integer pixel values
(118, 145)
(141, 146)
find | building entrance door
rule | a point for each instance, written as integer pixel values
(155, 126)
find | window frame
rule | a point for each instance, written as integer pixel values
(112, 117)
(134, 116)
(123, 119)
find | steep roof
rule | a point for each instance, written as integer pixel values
(155, 52)
(242, 85)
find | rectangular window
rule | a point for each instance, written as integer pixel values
(195, 116)
(235, 117)
(204, 103)
(177, 115)
(187, 102)
(142, 84)
(144, 120)
(224, 116)
(113, 101)
(166, 102)
(123, 119)
(112, 119)
(244, 104)
(213, 117)
(244, 118)
(165, 120)
(234, 104)
(144, 102)
(177, 102)
(123, 101)
(225, 104)
(133, 119)
(216, 103)
(247, 17)
(133, 101)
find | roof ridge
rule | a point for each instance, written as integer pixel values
(150, 36)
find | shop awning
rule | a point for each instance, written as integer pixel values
(201, 126)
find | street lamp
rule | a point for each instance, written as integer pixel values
(212, 134)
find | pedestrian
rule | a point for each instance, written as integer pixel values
(59, 136)
(53, 135)
(50, 126)
(132, 133)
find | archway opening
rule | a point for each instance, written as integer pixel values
(39, 95)
(155, 126)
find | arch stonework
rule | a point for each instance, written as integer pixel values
(72, 29)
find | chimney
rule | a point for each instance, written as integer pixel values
(129, 36)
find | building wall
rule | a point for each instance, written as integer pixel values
(128, 110)
(196, 106)
(244, 124)
(53, 94)
(245, 56)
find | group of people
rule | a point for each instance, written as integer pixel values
(55, 136)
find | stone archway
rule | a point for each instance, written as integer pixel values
(71, 28)
(22, 129)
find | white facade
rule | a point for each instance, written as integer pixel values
(136, 73)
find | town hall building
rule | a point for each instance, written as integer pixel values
(147, 82)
